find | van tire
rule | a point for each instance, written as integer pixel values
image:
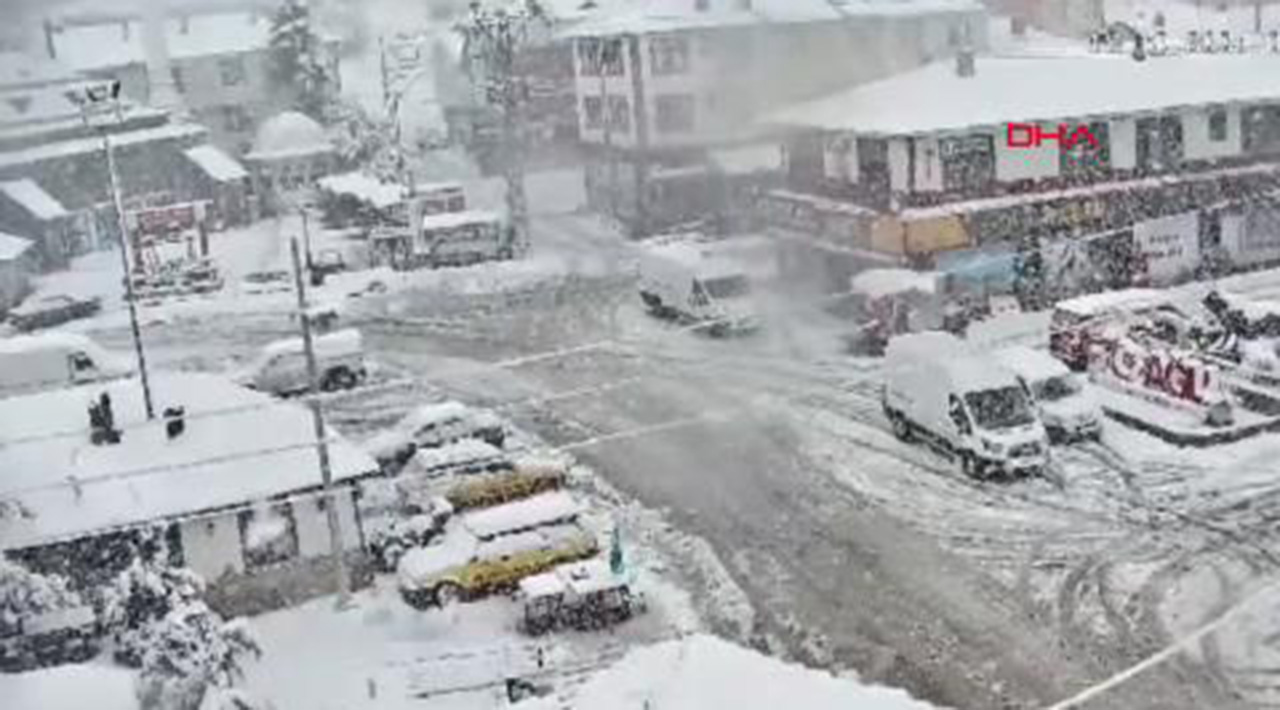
(339, 378)
(447, 594)
(901, 427)
(969, 465)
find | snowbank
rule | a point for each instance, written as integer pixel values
(701, 672)
(73, 687)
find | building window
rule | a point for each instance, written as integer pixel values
(619, 114)
(600, 56)
(669, 55)
(1159, 143)
(1218, 125)
(968, 162)
(232, 71)
(179, 85)
(234, 119)
(269, 535)
(675, 113)
(1260, 129)
(593, 112)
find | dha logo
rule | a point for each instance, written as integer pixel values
(1031, 135)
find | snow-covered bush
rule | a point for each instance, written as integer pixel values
(144, 594)
(24, 594)
(187, 654)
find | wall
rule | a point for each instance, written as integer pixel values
(1195, 134)
(1124, 143)
(1032, 163)
(899, 165)
(313, 526)
(211, 546)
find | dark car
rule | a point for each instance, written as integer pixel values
(49, 311)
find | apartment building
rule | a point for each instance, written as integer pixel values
(1166, 160)
(662, 86)
(218, 65)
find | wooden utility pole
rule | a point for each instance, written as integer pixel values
(322, 438)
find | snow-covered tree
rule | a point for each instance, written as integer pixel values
(145, 594)
(298, 62)
(24, 594)
(363, 142)
(190, 652)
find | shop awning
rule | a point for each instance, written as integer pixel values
(219, 166)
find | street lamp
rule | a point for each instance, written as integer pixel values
(102, 98)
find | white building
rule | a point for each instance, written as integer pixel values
(236, 494)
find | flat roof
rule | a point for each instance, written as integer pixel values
(80, 146)
(32, 198)
(446, 220)
(934, 99)
(73, 488)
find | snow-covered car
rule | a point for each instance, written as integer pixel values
(1066, 409)
(30, 363)
(61, 636)
(434, 425)
(48, 311)
(264, 282)
(281, 367)
(462, 457)
(581, 595)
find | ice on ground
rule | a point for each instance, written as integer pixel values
(700, 672)
(70, 687)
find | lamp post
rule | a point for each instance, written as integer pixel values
(106, 98)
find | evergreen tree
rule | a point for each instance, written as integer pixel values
(298, 64)
(25, 594)
(190, 654)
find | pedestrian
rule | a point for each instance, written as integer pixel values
(541, 659)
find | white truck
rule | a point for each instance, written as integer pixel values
(1066, 409)
(698, 283)
(939, 390)
(30, 363)
(281, 368)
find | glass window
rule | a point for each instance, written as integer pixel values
(619, 113)
(967, 162)
(1002, 408)
(597, 56)
(231, 70)
(675, 113)
(269, 535)
(1218, 126)
(593, 112)
(669, 55)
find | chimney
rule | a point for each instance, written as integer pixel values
(175, 421)
(966, 66)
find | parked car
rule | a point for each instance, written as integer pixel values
(30, 363)
(328, 261)
(939, 391)
(581, 595)
(48, 311)
(1068, 412)
(49, 639)
(435, 425)
(263, 282)
(281, 368)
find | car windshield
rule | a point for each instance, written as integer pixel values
(727, 287)
(1003, 408)
(1053, 389)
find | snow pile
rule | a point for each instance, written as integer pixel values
(878, 283)
(72, 687)
(364, 188)
(701, 672)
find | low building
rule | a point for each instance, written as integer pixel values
(236, 491)
(1103, 156)
(290, 152)
(27, 210)
(17, 264)
(219, 65)
(225, 184)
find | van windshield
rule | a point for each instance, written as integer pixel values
(1002, 408)
(727, 287)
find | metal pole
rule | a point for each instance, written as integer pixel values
(306, 235)
(128, 274)
(322, 441)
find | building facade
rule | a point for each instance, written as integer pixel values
(659, 92)
(989, 155)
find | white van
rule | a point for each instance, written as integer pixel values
(281, 368)
(30, 363)
(939, 390)
(1066, 409)
(694, 283)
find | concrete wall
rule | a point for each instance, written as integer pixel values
(1197, 142)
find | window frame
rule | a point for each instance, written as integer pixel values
(669, 55)
(254, 560)
(1219, 125)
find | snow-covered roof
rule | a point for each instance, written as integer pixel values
(31, 197)
(289, 135)
(216, 164)
(1108, 300)
(114, 44)
(365, 188)
(672, 15)
(19, 70)
(260, 450)
(450, 220)
(544, 509)
(11, 248)
(80, 146)
(34, 106)
(934, 99)
(1030, 364)
(878, 283)
(701, 671)
(70, 687)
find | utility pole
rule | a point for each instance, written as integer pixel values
(322, 438)
(95, 96)
(606, 119)
(493, 39)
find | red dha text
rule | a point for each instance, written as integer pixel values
(1031, 135)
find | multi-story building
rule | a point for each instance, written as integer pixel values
(661, 86)
(219, 65)
(1139, 170)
